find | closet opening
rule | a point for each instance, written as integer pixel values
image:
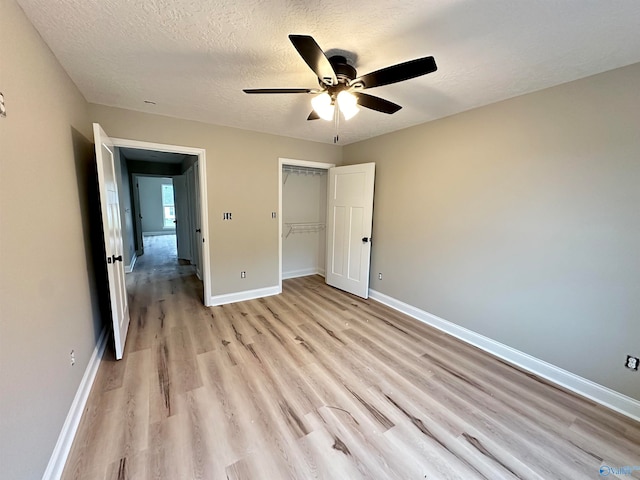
(303, 214)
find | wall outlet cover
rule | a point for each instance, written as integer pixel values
(632, 363)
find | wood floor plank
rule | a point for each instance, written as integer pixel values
(318, 384)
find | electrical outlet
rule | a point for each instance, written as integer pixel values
(380, 276)
(243, 274)
(72, 358)
(632, 363)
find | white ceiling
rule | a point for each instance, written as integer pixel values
(193, 58)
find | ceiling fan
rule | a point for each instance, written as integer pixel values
(340, 85)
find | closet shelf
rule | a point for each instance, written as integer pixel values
(307, 227)
(300, 170)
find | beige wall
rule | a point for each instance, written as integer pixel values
(520, 221)
(48, 304)
(242, 171)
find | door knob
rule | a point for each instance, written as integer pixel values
(366, 239)
(116, 259)
(198, 230)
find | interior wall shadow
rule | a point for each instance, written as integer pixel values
(89, 197)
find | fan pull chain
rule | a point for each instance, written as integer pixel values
(337, 124)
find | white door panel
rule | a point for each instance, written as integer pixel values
(350, 212)
(112, 228)
(336, 249)
(356, 232)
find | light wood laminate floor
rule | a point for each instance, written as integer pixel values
(316, 383)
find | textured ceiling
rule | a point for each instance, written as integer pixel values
(193, 58)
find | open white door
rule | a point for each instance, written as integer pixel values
(183, 220)
(197, 222)
(112, 228)
(349, 219)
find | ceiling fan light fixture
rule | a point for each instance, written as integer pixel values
(323, 107)
(348, 104)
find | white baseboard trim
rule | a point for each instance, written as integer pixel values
(169, 231)
(129, 268)
(603, 395)
(304, 272)
(215, 300)
(70, 426)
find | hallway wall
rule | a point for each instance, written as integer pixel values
(150, 190)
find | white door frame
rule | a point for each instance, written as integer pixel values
(204, 215)
(296, 163)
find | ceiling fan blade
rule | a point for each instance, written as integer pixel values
(311, 53)
(397, 73)
(278, 90)
(376, 103)
(313, 116)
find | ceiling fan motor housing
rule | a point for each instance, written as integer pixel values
(344, 71)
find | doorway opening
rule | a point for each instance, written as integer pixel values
(164, 209)
(153, 211)
(302, 201)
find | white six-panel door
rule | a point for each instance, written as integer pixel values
(112, 228)
(349, 222)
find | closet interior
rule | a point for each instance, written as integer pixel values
(304, 212)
